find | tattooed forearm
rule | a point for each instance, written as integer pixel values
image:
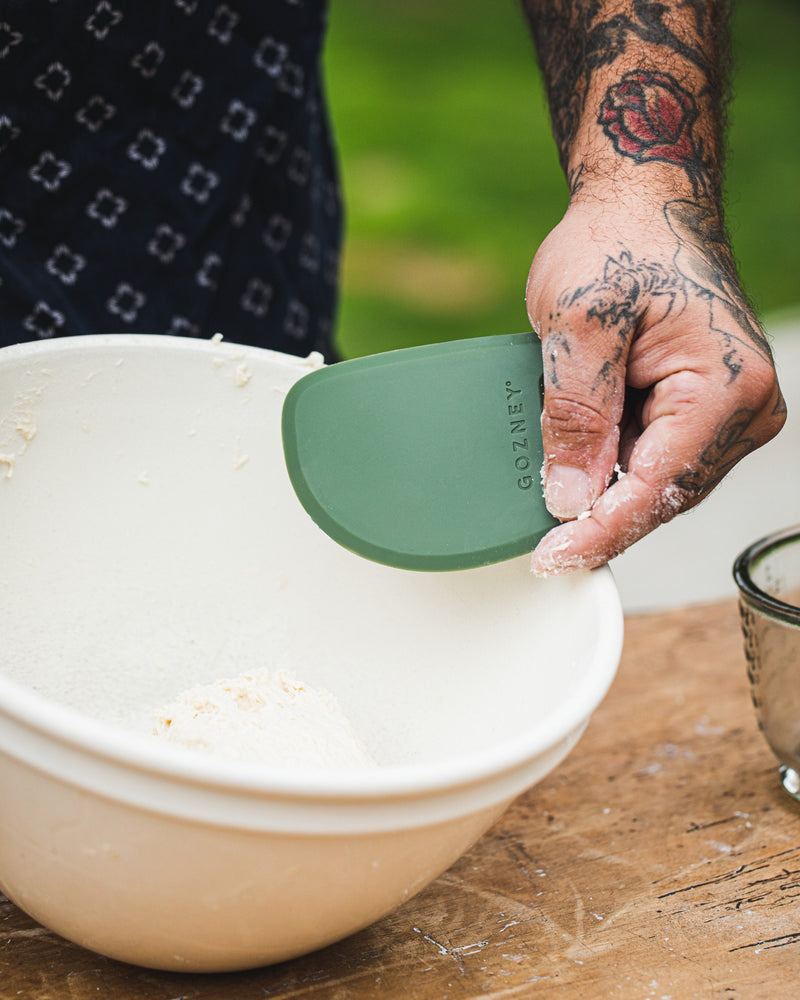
(577, 38)
(648, 116)
(575, 179)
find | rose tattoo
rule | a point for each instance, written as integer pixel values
(649, 116)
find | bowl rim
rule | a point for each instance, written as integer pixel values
(105, 742)
(33, 349)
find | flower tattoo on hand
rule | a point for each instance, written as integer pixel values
(649, 116)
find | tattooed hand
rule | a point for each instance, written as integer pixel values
(658, 378)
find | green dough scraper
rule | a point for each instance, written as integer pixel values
(425, 458)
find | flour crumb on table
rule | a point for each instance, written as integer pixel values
(267, 717)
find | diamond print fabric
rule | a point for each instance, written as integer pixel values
(166, 167)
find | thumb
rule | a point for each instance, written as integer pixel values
(583, 403)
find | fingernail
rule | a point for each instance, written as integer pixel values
(567, 491)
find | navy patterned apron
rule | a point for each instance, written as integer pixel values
(166, 167)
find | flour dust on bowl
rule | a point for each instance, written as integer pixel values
(152, 541)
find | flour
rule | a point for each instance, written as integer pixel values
(17, 429)
(267, 717)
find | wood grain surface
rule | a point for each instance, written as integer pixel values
(660, 861)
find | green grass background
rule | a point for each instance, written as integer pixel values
(451, 178)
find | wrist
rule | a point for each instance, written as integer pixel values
(636, 192)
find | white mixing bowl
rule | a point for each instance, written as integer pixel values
(151, 540)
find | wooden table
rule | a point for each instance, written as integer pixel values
(660, 860)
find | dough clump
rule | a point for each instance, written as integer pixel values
(267, 717)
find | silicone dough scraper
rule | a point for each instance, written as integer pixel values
(426, 458)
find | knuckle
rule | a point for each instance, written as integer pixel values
(573, 417)
(761, 384)
(672, 499)
(764, 398)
